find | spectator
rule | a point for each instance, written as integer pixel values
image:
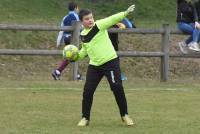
(125, 23)
(66, 37)
(187, 23)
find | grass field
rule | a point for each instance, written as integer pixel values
(148, 12)
(31, 103)
(46, 107)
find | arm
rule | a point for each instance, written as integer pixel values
(196, 18)
(82, 54)
(110, 21)
(60, 36)
(195, 13)
(59, 39)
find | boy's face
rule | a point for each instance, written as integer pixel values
(88, 21)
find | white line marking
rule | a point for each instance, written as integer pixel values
(102, 89)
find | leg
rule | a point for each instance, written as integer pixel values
(194, 46)
(196, 35)
(199, 39)
(63, 65)
(190, 29)
(112, 73)
(65, 62)
(93, 78)
(57, 72)
(187, 28)
(123, 76)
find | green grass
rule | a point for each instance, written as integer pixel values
(51, 11)
(30, 103)
(46, 107)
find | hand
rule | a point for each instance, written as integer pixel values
(197, 25)
(59, 39)
(74, 59)
(130, 9)
(121, 25)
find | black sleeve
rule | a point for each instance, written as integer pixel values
(195, 13)
(184, 8)
(87, 38)
(197, 8)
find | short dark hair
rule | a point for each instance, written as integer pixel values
(72, 6)
(84, 12)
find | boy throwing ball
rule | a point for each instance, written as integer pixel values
(103, 62)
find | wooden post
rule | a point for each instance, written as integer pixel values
(75, 41)
(165, 49)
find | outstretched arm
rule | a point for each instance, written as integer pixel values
(112, 20)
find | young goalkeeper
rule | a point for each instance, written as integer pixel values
(103, 62)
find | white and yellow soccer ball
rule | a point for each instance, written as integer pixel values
(70, 52)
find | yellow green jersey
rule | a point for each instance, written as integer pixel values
(96, 42)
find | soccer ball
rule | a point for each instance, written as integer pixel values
(70, 52)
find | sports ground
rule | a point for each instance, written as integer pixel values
(46, 107)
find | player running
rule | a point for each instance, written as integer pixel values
(66, 38)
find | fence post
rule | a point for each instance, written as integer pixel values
(75, 40)
(165, 49)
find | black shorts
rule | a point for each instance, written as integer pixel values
(67, 40)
